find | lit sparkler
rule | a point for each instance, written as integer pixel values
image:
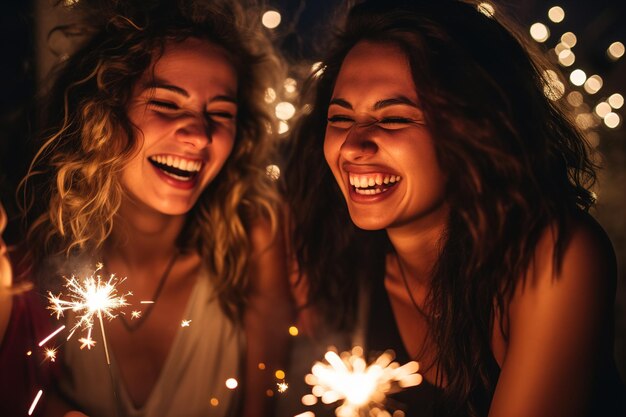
(89, 298)
(185, 323)
(360, 387)
(282, 386)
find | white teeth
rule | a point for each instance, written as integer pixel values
(370, 180)
(188, 165)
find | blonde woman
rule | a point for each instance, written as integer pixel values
(154, 165)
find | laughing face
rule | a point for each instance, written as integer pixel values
(377, 145)
(184, 110)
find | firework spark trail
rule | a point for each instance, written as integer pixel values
(51, 335)
(34, 404)
(360, 387)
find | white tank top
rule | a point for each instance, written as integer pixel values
(202, 357)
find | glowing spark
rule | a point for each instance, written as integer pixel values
(34, 404)
(51, 335)
(51, 354)
(231, 383)
(146, 302)
(185, 323)
(90, 298)
(282, 386)
(135, 314)
(359, 386)
(87, 342)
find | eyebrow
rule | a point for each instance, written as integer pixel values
(178, 90)
(379, 104)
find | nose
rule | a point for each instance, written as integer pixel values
(359, 143)
(195, 129)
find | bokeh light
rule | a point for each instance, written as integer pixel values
(231, 383)
(575, 98)
(285, 110)
(616, 100)
(556, 14)
(569, 39)
(602, 109)
(593, 84)
(615, 51)
(539, 32)
(612, 120)
(271, 19)
(578, 77)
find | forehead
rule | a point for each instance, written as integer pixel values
(200, 62)
(375, 68)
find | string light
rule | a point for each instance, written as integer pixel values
(285, 110)
(612, 120)
(602, 109)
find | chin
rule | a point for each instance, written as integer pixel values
(369, 222)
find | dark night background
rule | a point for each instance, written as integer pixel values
(26, 56)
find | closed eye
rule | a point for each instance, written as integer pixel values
(340, 121)
(397, 122)
(167, 105)
(220, 115)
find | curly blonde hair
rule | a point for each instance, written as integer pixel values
(75, 175)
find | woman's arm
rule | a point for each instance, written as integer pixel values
(267, 318)
(560, 328)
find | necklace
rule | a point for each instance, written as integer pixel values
(408, 290)
(131, 327)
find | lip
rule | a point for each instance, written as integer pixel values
(181, 185)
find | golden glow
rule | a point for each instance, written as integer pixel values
(316, 66)
(215, 402)
(279, 374)
(602, 109)
(553, 87)
(578, 77)
(566, 57)
(616, 101)
(290, 85)
(271, 19)
(35, 401)
(285, 110)
(135, 314)
(309, 399)
(615, 51)
(556, 14)
(185, 323)
(283, 127)
(486, 8)
(293, 330)
(359, 386)
(273, 172)
(270, 95)
(261, 366)
(269, 393)
(584, 121)
(282, 386)
(231, 383)
(30, 352)
(569, 39)
(593, 84)
(575, 98)
(86, 342)
(539, 32)
(612, 120)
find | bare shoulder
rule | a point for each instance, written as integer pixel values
(561, 316)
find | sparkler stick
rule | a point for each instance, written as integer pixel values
(360, 387)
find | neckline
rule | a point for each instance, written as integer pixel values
(122, 390)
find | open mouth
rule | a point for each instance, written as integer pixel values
(175, 167)
(371, 184)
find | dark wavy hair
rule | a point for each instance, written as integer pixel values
(74, 180)
(514, 161)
